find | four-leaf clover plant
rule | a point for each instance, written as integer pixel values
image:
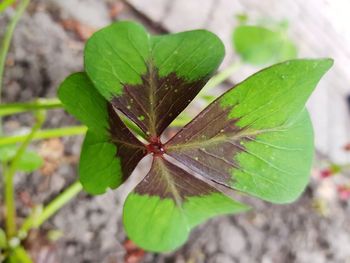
(256, 138)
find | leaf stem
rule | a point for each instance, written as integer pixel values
(5, 45)
(37, 218)
(44, 134)
(221, 76)
(40, 104)
(55, 103)
(9, 174)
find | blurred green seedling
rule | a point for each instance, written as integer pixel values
(260, 45)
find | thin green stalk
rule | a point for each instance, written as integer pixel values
(54, 103)
(221, 77)
(40, 104)
(5, 45)
(9, 174)
(37, 218)
(58, 203)
(9, 205)
(61, 132)
(45, 134)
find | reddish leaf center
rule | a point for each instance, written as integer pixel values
(155, 147)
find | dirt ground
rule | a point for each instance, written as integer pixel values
(47, 47)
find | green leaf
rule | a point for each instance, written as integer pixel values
(5, 4)
(151, 79)
(7, 152)
(110, 151)
(161, 211)
(19, 255)
(256, 138)
(258, 45)
(82, 100)
(30, 160)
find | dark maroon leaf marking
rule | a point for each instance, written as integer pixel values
(129, 148)
(208, 144)
(155, 103)
(167, 180)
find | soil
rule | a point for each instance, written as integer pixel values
(48, 46)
